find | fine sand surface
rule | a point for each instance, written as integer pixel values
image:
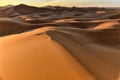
(58, 54)
(46, 44)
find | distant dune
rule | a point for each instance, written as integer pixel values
(59, 43)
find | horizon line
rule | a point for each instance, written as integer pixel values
(59, 5)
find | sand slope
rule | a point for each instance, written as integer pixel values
(57, 54)
(44, 60)
(59, 43)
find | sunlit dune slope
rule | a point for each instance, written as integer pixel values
(53, 53)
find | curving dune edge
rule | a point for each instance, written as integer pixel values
(53, 53)
(59, 43)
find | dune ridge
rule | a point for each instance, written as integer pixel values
(59, 43)
(65, 49)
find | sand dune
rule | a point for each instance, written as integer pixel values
(107, 25)
(58, 53)
(59, 43)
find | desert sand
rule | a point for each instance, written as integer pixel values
(59, 43)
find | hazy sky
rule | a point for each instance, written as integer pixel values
(102, 3)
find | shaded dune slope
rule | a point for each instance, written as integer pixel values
(15, 26)
(59, 53)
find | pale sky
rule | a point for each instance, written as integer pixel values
(81, 3)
